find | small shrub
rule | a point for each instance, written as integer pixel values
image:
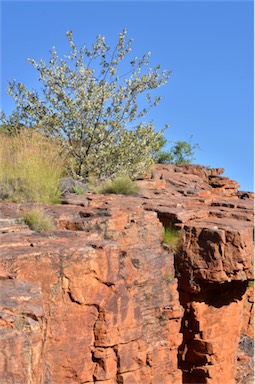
(37, 220)
(120, 186)
(171, 237)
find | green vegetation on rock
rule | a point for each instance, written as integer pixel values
(31, 166)
(171, 237)
(37, 220)
(94, 100)
(120, 186)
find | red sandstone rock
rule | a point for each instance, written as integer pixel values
(103, 297)
(248, 313)
(22, 327)
(96, 300)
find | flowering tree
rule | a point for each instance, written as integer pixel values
(92, 108)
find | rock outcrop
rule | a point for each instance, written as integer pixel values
(101, 299)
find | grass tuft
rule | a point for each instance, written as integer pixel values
(122, 185)
(31, 166)
(171, 237)
(37, 220)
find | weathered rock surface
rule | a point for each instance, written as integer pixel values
(97, 299)
(105, 300)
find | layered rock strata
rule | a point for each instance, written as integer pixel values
(101, 299)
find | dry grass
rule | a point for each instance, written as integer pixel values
(122, 185)
(37, 220)
(31, 166)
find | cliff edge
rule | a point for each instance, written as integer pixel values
(101, 299)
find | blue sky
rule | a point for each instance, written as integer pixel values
(208, 45)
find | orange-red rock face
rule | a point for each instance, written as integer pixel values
(97, 300)
(95, 305)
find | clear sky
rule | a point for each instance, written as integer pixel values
(208, 45)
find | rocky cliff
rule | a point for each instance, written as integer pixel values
(102, 300)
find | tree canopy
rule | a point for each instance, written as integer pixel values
(181, 152)
(94, 109)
